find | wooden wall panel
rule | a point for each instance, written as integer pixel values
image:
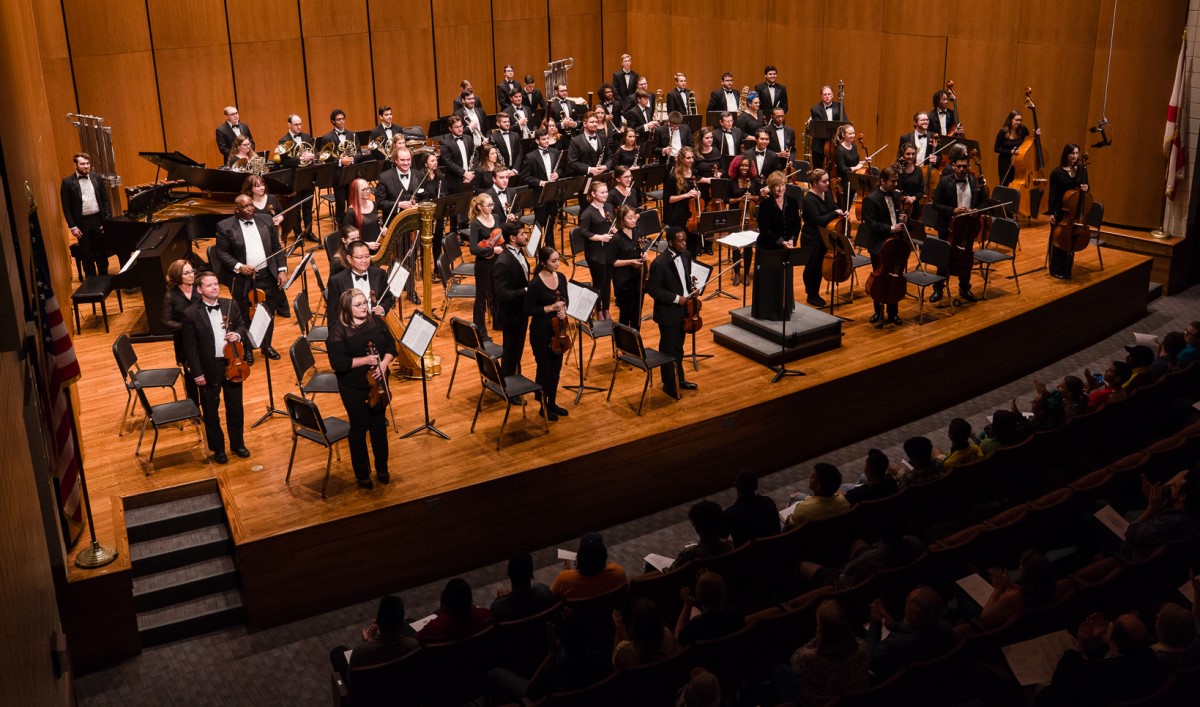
(794, 44)
(909, 66)
(522, 38)
(268, 68)
(929, 19)
(56, 70)
(846, 57)
(996, 20)
(983, 72)
(575, 32)
(463, 40)
(649, 45)
(337, 56)
(614, 27)
(1063, 102)
(402, 46)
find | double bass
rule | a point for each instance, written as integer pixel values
(1071, 232)
(1029, 166)
(886, 284)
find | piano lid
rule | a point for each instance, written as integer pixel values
(180, 166)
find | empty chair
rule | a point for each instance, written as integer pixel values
(167, 414)
(1094, 218)
(466, 340)
(308, 378)
(1008, 198)
(1006, 233)
(452, 247)
(452, 288)
(314, 334)
(308, 423)
(935, 253)
(507, 387)
(131, 373)
(627, 343)
(577, 247)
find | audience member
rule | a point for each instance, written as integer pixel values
(892, 548)
(706, 519)
(1178, 646)
(879, 484)
(921, 636)
(524, 597)
(752, 515)
(1139, 359)
(387, 638)
(573, 661)
(1172, 512)
(713, 619)
(1006, 429)
(962, 449)
(825, 501)
(1047, 408)
(703, 690)
(595, 574)
(1074, 396)
(1191, 351)
(922, 467)
(1036, 588)
(1168, 355)
(833, 662)
(1113, 380)
(457, 617)
(647, 639)
(1111, 663)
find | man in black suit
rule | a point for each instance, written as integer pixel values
(464, 87)
(532, 97)
(248, 246)
(510, 278)
(881, 219)
(361, 275)
(586, 152)
(296, 134)
(383, 133)
(625, 80)
(672, 137)
(724, 98)
(564, 112)
(613, 106)
(508, 141)
(502, 197)
(520, 116)
(473, 117)
(783, 136)
(771, 95)
(396, 191)
(207, 326)
(764, 159)
(455, 157)
(943, 120)
(641, 117)
(86, 207)
(540, 168)
(728, 139)
(505, 88)
(828, 109)
(668, 287)
(677, 99)
(227, 131)
(921, 139)
(347, 142)
(952, 197)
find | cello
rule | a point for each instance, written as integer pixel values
(886, 284)
(1029, 165)
(1071, 232)
(838, 263)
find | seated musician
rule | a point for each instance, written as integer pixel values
(302, 144)
(233, 127)
(952, 198)
(239, 156)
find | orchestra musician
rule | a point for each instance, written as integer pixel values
(783, 136)
(86, 206)
(623, 192)
(384, 132)
(483, 223)
(363, 213)
(826, 110)
(708, 157)
(724, 99)
(625, 80)
(182, 293)
(627, 150)
(488, 163)
(952, 197)
(778, 226)
(673, 136)
(772, 94)
(296, 134)
(545, 300)
(943, 120)
(357, 371)
(228, 130)
(360, 275)
(882, 219)
(520, 116)
(586, 151)
(533, 99)
(627, 267)
(744, 190)
(1069, 174)
(1008, 141)
(505, 88)
(464, 87)
(538, 170)
(766, 161)
(669, 286)
(208, 325)
(455, 157)
(819, 210)
(256, 188)
(924, 143)
(248, 246)
(598, 228)
(339, 136)
(614, 107)
(398, 184)
(846, 156)
(509, 281)
(507, 139)
(243, 150)
(912, 179)
(750, 119)
(337, 245)
(729, 139)
(604, 126)
(502, 197)
(564, 111)
(473, 117)
(643, 84)
(679, 188)
(677, 98)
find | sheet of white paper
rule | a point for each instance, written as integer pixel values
(567, 558)
(1112, 520)
(299, 271)
(699, 273)
(883, 630)
(258, 327)
(659, 562)
(420, 623)
(1186, 591)
(535, 241)
(1146, 340)
(1032, 662)
(132, 259)
(787, 512)
(397, 279)
(741, 239)
(1026, 415)
(976, 587)
(348, 652)
(580, 302)
(418, 334)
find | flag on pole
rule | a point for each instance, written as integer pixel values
(1174, 147)
(58, 371)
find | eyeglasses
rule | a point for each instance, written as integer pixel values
(361, 256)
(358, 303)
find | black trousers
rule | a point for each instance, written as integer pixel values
(964, 282)
(743, 256)
(602, 283)
(670, 343)
(812, 271)
(513, 330)
(549, 364)
(893, 310)
(1061, 261)
(210, 403)
(363, 419)
(266, 280)
(483, 305)
(91, 246)
(629, 302)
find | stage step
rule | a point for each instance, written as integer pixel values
(172, 517)
(179, 549)
(809, 331)
(191, 618)
(181, 584)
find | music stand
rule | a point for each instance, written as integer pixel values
(438, 127)
(582, 303)
(313, 178)
(449, 207)
(713, 117)
(555, 194)
(698, 266)
(271, 409)
(648, 222)
(741, 241)
(946, 145)
(778, 260)
(693, 121)
(368, 170)
(417, 337)
(713, 222)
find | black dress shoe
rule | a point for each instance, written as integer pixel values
(310, 236)
(366, 484)
(415, 299)
(936, 296)
(550, 414)
(220, 458)
(560, 411)
(688, 385)
(895, 319)
(271, 353)
(816, 301)
(383, 476)
(968, 296)
(876, 318)
(250, 356)
(671, 391)
(737, 279)
(242, 452)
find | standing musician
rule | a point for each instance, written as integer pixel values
(846, 156)
(1069, 174)
(819, 210)
(532, 97)
(778, 225)
(724, 99)
(267, 204)
(625, 80)
(384, 131)
(231, 128)
(598, 228)
(563, 111)
(473, 117)
(507, 139)
(361, 275)
(520, 116)
(396, 188)
(540, 168)
(363, 213)
(502, 197)
(627, 267)
(773, 95)
(613, 106)
(951, 198)
(586, 151)
(545, 301)
(828, 109)
(681, 190)
(623, 192)
(643, 84)
(677, 99)
(744, 193)
(207, 326)
(239, 157)
(766, 161)
(85, 206)
(505, 88)
(296, 135)
(339, 136)
(605, 127)
(708, 156)
(881, 219)
(669, 286)
(912, 180)
(728, 138)
(357, 371)
(464, 87)
(248, 246)
(750, 120)
(455, 157)
(1008, 142)
(182, 293)
(783, 136)
(509, 280)
(488, 164)
(483, 224)
(337, 246)
(924, 143)
(944, 120)
(627, 152)
(640, 117)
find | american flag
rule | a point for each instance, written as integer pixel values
(59, 370)
(1174, 146)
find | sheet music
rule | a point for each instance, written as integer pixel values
(568, 559)
(741, 239)
(259, 325)
(700, 271)
(787, 512)
(1033, 662)
(535, 241)
(132, 259)
(1112, 520)
(397, 279)
(1186, 591)
(580, 302)
(420, 623)
(976, 587)
(659, 562)
(418, 334)
(304, 262)
(1149, 340)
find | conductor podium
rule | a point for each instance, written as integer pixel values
(806, 332)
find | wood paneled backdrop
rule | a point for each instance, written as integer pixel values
(160, 71)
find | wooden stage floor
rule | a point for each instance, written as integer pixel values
(456, 504)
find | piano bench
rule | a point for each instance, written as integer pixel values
(94, 290)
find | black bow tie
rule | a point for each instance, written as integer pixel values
(960, 181)
(247, 223)
(340, 133)
(729, 91)
(544, 152)
(761, 154)
(920, 137)
(458, 137)
(213, 307)
(360, 278)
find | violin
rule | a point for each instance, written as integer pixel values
(494, 239)
(255, 297)
(886, 284)
(379, 389)
(236, 368)
(694, 209)
(692, 322)
(1071, 232)
(560, 342)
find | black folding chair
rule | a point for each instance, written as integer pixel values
(1004, 232)
(935, 253)
(303, 364)
(132, 373)
(466, 340)
(627, 343)
(308, 423)
(507, 387)
(167, 414)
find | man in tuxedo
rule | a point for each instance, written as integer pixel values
(641, 117)
(207, 326)
(396, 191)
(520, 116)
(297, 135)
(564, 113)
(827, 109)
(771, 95)
(510, 278)
(473, 117)
(943, 120)
(642, 85)
(532, 97)
(502, 197)
(227, 131)
(728, 140)
(881, 219)
(625, 80)
(340, 136)
(677, 99)
(505, 88)
(383, 133)
(455, 157)
(540, 168)
(248, 246)
(585, 154)
(724, 98)
(672, 137)
(920, 138)
(85, 206)
(952, 197)
(464, 87)
(783, 136)
(361, 275)
(668, 287)
(613, 106)
(508, 141)
(765, 159)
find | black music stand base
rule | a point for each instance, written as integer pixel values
(581, 387)
(695, 356)
(721, 277)
(425, 401)
(271, 409)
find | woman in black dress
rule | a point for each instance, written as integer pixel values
(362, 214)
(627, 268)
(606, 131)
(1008, 141)
(846, 157)
(264, 203)
(708, 157)
(778, 226)
(596, 225)
(181, 294)
(240, 154)
(484, 225)
(750, 120)
(819, 211)
(623, 193)
(626, 154)
(489, 161)
(744, 194)
(1069, 174)
(546, 299)
(681, 189)
(912, 179)
(357, 370)
(336, 244)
